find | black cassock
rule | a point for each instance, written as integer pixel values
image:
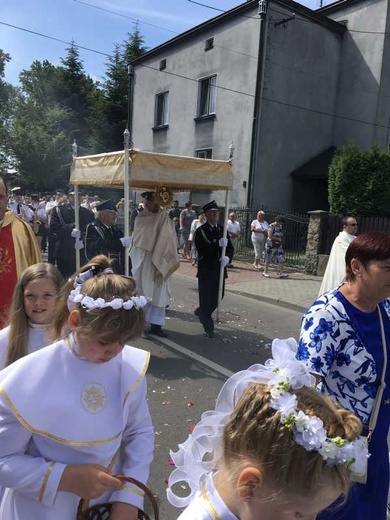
(209, 253)
(62, 223)
(103, 240)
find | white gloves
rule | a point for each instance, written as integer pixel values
(76, 233)
(224, 260)
(126, 241)
(223, 242)
(79, 243)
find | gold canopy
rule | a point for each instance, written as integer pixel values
(151, 170)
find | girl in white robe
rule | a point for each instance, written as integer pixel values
(74, 414)
(273, 448)
(31, 312)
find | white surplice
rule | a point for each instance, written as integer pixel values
(57, 408)
(335, 269)
(207, 505)
(36, 340)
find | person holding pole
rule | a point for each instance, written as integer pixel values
(209, 242)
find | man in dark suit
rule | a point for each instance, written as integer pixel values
(209, 241)
(102, 237)
(62, 223)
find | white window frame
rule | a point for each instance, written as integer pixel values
(161, 117)
(204, 152)
(207, 96)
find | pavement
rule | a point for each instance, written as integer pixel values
(297, 292)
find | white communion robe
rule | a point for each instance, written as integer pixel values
(335, 269)
(36, 340)
(207, 505)
(57, 408)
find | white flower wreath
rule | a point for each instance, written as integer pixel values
(76, 296)
(200, 453)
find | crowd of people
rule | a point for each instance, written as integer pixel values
(303, 435)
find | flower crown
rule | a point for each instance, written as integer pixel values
(200, 453)
(77, 297)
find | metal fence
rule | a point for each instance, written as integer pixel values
(295, 228)
(332, 227)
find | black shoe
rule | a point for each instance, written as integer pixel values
(197, 312)
(210, 334)
(156, 330)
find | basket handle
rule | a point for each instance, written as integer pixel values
(136, 482)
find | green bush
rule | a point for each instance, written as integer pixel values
(359, 182)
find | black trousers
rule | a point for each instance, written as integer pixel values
(208, 300)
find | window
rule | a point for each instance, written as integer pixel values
(207, 94)
(206, 153)
(162, 109)
(209, 44)
(163, 64)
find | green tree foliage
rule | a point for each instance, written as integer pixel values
(38, 137)
(7, 96)
(116, 87)
(54, 105)
(359, 182)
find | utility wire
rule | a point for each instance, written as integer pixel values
(55, 39)
(217, 86)
(312, 110)
(125, 16)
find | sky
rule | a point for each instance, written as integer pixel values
(97, 25)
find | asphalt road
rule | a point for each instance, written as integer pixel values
(187, 370)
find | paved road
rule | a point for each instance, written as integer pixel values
(187, 370)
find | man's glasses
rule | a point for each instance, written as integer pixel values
(354, 225)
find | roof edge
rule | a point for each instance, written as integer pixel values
(330, 8)
(232, 13)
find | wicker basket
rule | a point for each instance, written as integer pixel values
(102, 511)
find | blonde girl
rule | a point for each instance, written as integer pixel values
(31, 312)
(74, 414)
(273, 449)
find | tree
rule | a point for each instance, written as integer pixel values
(116, 87)
(359, 182)
(7, 96)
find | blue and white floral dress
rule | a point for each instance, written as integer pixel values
(343, 345)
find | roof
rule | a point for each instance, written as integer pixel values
(330, 8)
(316, 168)
(295, 7)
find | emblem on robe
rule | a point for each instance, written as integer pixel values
(94, 397)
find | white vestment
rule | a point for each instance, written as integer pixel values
(335, 269)
(36, 340)
(57, 408)
(207, 505)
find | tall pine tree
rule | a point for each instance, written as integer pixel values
(116, 87)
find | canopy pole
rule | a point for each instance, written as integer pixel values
(76, 206)
(225, 223)
(77, 222)
(126, 135)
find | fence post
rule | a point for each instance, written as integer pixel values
(314, 235)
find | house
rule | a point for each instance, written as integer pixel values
(283, 83)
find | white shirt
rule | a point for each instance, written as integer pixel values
(233, 227)
(259, 226)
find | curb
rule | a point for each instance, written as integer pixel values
(266, 299)
(272, 301)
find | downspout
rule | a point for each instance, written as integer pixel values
(263, 7)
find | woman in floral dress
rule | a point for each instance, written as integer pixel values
(274, 252)
(341, 342)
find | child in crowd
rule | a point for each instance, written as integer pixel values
(273, 448)
(31, 312)
(74, 414)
